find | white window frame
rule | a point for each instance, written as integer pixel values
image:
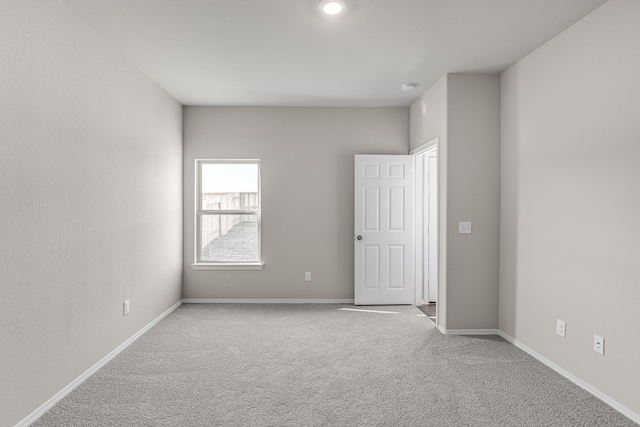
(198, 211)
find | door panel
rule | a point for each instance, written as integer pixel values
(384, 264)
(396, 264)
(371, 266)
(396, 209)
(372, 209)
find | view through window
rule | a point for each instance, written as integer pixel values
(228, 211)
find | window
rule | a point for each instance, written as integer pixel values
(227, 215)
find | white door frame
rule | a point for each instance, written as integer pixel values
(421, 246)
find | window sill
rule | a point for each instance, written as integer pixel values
(228, 266)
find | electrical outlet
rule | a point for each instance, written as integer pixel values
(125, 308)
(561, 328)
(598, 344)
(307, 276)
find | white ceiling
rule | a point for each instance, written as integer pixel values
(287, 53)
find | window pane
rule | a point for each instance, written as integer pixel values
(229, 201)
(229, 186)
(229, 238)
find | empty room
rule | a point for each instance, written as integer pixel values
(319, 213)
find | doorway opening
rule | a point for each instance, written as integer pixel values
(426, 226)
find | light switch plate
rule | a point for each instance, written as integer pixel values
(464, 227)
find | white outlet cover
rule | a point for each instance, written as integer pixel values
(307, 276)
(561, 328)
(598, 344)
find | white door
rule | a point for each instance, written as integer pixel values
(383, 226)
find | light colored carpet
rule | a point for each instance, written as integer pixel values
(318, 365)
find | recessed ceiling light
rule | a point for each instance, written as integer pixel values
(406, 87)
(332, 7)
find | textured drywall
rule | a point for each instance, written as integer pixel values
(307, 192)
(570, 200)
(90, 202)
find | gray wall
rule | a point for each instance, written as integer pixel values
(429, 115)
(570, 246)
(90, 202)
(307, 192)
(473, 194)
(463, 111)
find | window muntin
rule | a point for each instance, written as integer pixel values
(227, 212)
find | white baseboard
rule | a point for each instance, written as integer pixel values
(597, 393)
(468, 331)
(75, 383)
(265, 301)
